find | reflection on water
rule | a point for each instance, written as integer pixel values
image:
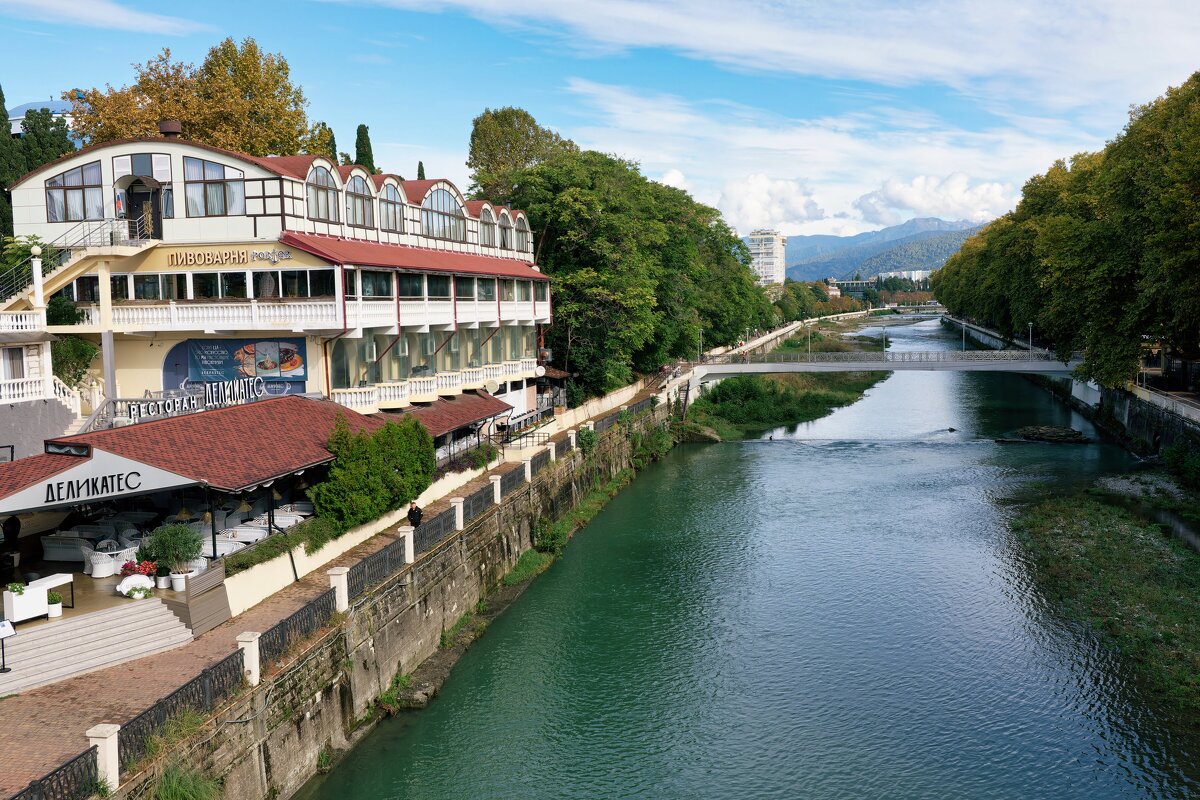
(838, 613)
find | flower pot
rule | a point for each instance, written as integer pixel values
(54, 610)
(162, 581)
(178, 581)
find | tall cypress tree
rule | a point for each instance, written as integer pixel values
(362, 150)
(12, 166)
(45, 139)
(420, 170)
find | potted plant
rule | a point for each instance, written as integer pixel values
(141, 592)
(175, 544)
(162, 577)
(54, 607)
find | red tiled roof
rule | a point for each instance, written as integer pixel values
(16, 475)
(448, 414)
(555, 372)
(232, 448)
(372, 254)
(415, 191)
(289, 166)
(379, 177)
(474, 207)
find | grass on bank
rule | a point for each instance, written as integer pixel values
(1137, 586)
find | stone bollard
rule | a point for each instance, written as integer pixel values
(528, 469)
(251, 661)
(591, 426)
(571, 439)
(108, 762)
(550, 449)
(410, 550)
(496, 496)
(457, 503)
(339, 580)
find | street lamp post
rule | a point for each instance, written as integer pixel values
(1031, 340)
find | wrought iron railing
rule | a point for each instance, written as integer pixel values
(604, 423)
(433, 530)
(641, 406)
(511, 480)
(74, 780)
(273, 644)
(539, 462)
(201, 693)
(562, 447)
(478, 503)
(375, 568)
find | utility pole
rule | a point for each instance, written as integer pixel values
(1031, 341)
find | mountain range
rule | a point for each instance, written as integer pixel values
(921, 243)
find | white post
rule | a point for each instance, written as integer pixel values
(550, 449)
(496, 496)
(528, 469)
(571, 438)
(591, 426)
(457, 503)
(248, 642)
(341, 587)
(108, 763)
(35, 265)
(406, 533)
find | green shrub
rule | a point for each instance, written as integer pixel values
(175, 544)
(313, 533)
(184, 783)
(483, 456)
(586, 438)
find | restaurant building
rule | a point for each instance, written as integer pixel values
(209, 277)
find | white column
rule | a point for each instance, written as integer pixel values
(248, 642)
(108, 763)
(528, 469)
(410, 551)
(35, 266)
(457, 503)
(550, 450)
(496, 495)
(341, 587)
(571, 438)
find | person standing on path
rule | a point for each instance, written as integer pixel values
(414, 514)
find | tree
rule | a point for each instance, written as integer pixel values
(44, 138)
(503, 142)
(420, 170)
(363, 155)
(239, 98)
(12, 167)
(320, 141)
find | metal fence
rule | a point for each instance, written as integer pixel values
(511, 481)
(74, 780)
(199, 694)
(432, 531)
(641, 406)
(375, 568)
(604, 423)
(477, 503)
(919, 356)
(539, 462)
(562, 447)
(304, 623)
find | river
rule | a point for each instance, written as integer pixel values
(838, 611)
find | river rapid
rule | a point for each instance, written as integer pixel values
(834, 611)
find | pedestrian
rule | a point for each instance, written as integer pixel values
(414, 514)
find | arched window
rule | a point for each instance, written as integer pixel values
(359, 204)
(75, 195)
(522, 235)
(487, 228)
(391, 210)
(322, 195)
(212, 189)
(506, 239)
(442, 217)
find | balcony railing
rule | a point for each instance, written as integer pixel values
(425, 388)
(24, 390)
(22, 321)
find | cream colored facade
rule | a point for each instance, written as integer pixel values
(767, 256)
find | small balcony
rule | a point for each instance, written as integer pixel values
(428, 388)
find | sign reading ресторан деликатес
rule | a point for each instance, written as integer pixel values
(216, 394)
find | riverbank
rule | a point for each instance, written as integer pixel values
(745, 406)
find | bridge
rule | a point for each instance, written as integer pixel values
(1038, 361)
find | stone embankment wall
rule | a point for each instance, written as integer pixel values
(267, 741)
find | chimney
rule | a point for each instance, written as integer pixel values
(170, 128)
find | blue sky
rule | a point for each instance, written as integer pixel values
(813, 117)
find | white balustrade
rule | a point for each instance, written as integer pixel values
(65, 394)
(364, 398)
(440, 312)
(510, 311)
(472, 377)
(393, 393)
(372, 313)
(300, 314)
(422, 387)
(512, 369)
(22, 321)
(22, 389)
(493, 372)
(528, 365)
(448, 382)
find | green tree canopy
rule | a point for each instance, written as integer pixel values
(505, 141)
(321, 141)
(12, 166)
(363, 154)
(44, 138)
(420, 170)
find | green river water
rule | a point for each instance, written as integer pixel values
(839, 612)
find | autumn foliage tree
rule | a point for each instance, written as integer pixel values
(239, 98)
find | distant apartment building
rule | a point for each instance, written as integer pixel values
(767, 256)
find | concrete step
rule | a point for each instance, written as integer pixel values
(50, 653)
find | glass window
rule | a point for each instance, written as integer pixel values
(442, 217)
(322, 195)
(439, 285)
(391, 210)
(266, 284)
(524, 291)
(487, 288)
(464, 288)
(12, 365)
(174, 286)
(204, 286)
(487, 228)
(145, 287)
(87, 289)
(411, 285)
(522, 235)
(212, 189)
(120, 286)
(293, 283)
(498, 347)
(168, 202)
(540, 291)
(359, 204)
(122, 166)
(161, 168)
(505, 232)
(350, 283)
(233, 284)
(507, 291)
(75, 195)
(376, 284)
(320, 283)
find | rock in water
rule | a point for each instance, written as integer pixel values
(1049, 433)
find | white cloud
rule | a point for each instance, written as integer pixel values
(674, 177)
(951, 197)
(759, 201)
(100, 14)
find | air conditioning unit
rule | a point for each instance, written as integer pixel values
(121, 422)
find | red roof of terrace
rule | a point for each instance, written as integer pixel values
(449, 414)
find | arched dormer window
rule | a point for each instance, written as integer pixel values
(522, 235)
(75, 195)
(322, 195)
(359, 204)
(506, 237)
(487, 228)
(391, 209)
(442, 216)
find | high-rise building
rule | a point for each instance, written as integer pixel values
(767, 255)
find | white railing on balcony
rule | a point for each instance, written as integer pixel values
(472, 377)
(65, 394)
(419, 313)
(448, 381)
(528, 365)
(362, 399)
(310, 313)
(22, 389)
(393, 392)
(422, 387)
(493, 372)
(512, 369)
(22, 321)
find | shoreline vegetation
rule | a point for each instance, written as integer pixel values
(746, 406)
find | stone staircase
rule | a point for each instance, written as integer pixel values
(74, 426)
(67, 647)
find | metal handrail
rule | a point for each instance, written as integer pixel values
(887, 357)
(61, 251)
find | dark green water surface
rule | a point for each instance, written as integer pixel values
(838, 613)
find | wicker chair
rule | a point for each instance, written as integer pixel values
(105, 565)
